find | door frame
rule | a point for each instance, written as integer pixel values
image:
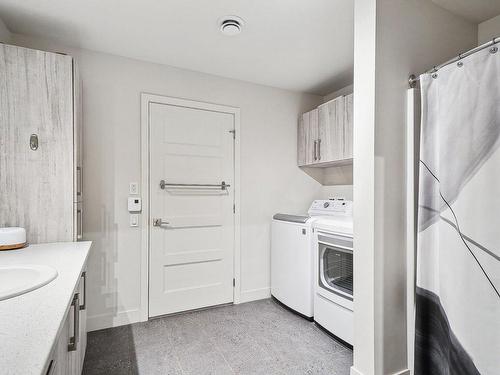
(146, 100)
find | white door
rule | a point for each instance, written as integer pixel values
(191, 252)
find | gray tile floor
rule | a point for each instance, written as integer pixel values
(252, 338)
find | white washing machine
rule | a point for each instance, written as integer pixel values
(333, 272)
(292, 257)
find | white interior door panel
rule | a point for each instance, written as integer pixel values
(191, 253)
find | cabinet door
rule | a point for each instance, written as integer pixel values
(77, 156)
(77, 132)
(313, 150)
(301, 139)
(67, 358)
(74, 333)
(331, 131)
(83, 318)
(61, 354)
(307, 138)
(36, 134)
(348, 126)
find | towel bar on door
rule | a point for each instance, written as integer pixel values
(222, 185)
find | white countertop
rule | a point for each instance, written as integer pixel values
(30, 323)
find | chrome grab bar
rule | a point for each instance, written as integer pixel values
(222, 185)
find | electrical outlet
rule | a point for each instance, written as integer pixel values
(134, 220)
(134, 188)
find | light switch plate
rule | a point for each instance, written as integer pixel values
(134, 188)
(134, 220)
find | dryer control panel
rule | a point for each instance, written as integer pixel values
(333, 207)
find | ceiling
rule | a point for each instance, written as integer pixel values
(476, 11)
(301, 45)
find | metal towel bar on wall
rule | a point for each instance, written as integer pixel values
(222, 185)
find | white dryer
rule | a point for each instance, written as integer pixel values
(292, 257)
(333, 275)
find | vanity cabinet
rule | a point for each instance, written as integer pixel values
(69, 351)
(40, 154)
(325, 134)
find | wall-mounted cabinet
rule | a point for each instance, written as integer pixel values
(325, 134)
(40, 137)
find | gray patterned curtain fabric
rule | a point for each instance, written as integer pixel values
(458, 243)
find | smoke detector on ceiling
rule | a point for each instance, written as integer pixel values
(231, 25)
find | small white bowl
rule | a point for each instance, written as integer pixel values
(12, 237)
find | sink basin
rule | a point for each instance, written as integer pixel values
(17, 280)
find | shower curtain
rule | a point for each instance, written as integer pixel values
(457, 321)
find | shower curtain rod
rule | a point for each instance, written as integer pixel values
(413, 80)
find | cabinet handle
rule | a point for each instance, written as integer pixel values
(79, 179)
(79, 222)
(315, 150)
(52, 368)
(73, 341)
(84, 276)
(319, 149)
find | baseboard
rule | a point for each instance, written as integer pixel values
(356, 372)
(255, 294)
(120, 318)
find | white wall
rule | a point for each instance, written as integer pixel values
(270, 179)
(5, 34)
(337, 191)
(393, 38)
(343, 91)
(489, 29)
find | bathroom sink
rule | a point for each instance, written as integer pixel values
(16, 280)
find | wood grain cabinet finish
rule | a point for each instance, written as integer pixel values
(302, 140)
(307, 138)
(37, 185)
(324, 135)
(331, 130)
(64, 361)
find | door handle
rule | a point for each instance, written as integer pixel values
(319, 149)
(159, 222)
(315, 150)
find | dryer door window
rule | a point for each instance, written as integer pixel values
(336, 269)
